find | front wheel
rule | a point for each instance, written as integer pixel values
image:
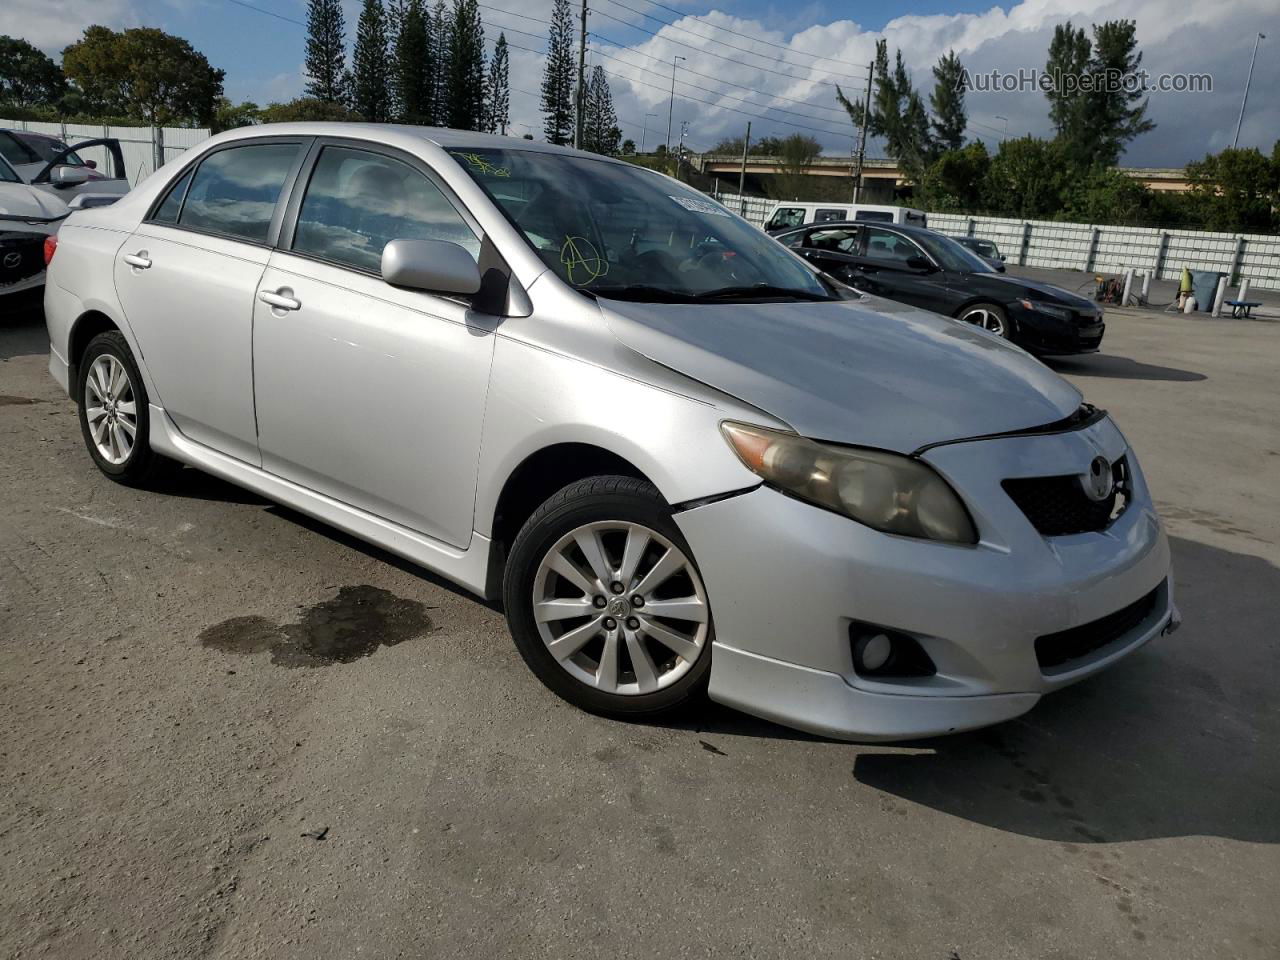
(990, 317)
(605, 602)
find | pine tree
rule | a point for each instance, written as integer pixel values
(600, 132)
(371, 94)
(558, 76)
(498, 92)
(1069, 53)
(326, 59)
(466, 67)
(1115, 113)
(947, 102)
(439, 30)
(414, 63)
(897, 114)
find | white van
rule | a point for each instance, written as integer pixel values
(789, 215)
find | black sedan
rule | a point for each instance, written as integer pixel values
(986, 249)
(926, 269)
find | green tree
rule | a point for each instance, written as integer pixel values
(1115, 113)
(498, 89)
(1025, 179)
(229, 116)
(897, 114)
(439, 30)
(628, 148)
(600, 133)
(371, 89)
(308, 108)
(144, 74)
(796, 154)
(954, 182)
(1237, 189)
(326, 59)
(558, 76)
(1107, 195)
(413, 63)
(466, 67)
(1066, 68)
(28, 77)
(947, 102)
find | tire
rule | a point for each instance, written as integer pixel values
(644, 677)
(106, 426)
(990, 317)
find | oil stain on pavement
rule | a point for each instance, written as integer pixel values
(350, 626)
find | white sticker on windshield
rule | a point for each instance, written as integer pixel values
(700, 206)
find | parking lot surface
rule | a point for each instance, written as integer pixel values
(190, 770)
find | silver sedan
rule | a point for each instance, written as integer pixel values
(682, 460)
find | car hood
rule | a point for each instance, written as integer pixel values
(18, 200)
(1031, 289)
(868, 372)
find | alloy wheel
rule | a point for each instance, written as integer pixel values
(986, 319)
(111, 409)
(620, 608)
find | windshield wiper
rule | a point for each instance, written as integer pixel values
(760, 290)
(641, 292)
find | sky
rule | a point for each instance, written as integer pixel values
(774, 64)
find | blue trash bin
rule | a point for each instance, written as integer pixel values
(1204, 285)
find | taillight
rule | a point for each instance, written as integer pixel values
(50, 247)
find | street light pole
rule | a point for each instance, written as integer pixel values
(644, 130)
(1248, 80)
(671, 107)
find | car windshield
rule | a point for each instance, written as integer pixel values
(620, 231)
(950, 254)
(45, 149)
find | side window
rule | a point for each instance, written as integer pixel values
(235, 191)
(168, 211)
(15, 151)
(357, 202)
(828, 216)
(839, 241)
(891, 247)
(786, 218)
(876, 216)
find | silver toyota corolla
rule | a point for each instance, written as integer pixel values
(682, 459)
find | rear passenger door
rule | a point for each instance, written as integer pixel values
(187, 278)
(889, 267)
(367, 393)
(834, 251)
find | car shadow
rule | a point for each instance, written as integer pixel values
(1179, 740)
(22, 329)
(1119, 368)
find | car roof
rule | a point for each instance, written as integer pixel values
(881, 224)
(444, 137)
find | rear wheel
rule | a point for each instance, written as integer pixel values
(990, 317)
(605, 603)
(114, 417)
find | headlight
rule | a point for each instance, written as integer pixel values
(1049, 309)
(886, 491)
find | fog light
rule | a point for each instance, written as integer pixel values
(872, 653)
(883, 653)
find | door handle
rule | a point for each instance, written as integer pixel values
(280, 300)
(140, 260)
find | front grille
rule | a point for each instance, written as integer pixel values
(1059, 507)
(28, 249)
(1056, 649)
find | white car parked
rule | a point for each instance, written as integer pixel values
(27, 217)
(682, 459)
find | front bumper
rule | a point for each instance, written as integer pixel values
(1044, 334)
(786, 579)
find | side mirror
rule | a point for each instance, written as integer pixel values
(1002, 258)
(923, 264)
(68, 176)
(437, 266)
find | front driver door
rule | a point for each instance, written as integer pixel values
(367, 393)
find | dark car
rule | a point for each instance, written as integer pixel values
(926, 269)
(986, 249)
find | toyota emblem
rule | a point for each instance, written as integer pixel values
(12, 261)
(1098, 482)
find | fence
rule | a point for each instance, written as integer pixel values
(144, 148)
(1105, 249)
